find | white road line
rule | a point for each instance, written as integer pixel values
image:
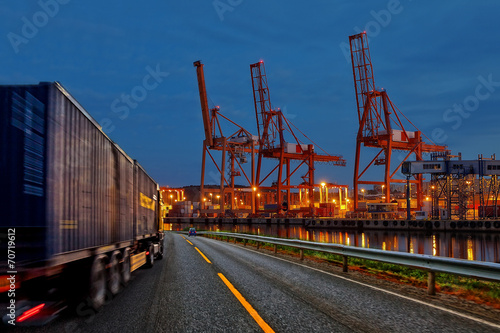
(378, 289)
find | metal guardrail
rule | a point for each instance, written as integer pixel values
(431, 264)
(490, 226)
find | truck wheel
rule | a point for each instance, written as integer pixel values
(160, 253)
(114, 273)
(125, 267)
(150, 258)
(97, 287)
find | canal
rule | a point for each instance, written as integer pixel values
(481, 246)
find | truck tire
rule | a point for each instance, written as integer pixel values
(150, 259)
(114, 274)
(97, 283)
(125, 267)
(160, 253)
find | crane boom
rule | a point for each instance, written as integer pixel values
(362, 68)
(204, 103)
(267, 126)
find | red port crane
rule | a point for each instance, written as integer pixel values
(381, 126)
(235, 147)
(272, 126)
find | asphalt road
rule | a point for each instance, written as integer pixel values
(186, 293)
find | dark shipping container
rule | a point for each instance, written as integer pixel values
(146, 203)
(65, 185)
(85, 215)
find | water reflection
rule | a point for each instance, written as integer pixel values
(470, 246)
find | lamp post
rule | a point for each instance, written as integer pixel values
(433, 213)
(408, 198)
(321, 192)
(363, 191)
(254, 190)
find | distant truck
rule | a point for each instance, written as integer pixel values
(78, 214)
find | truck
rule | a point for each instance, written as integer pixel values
(78, 214)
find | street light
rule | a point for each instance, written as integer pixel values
(363, 191)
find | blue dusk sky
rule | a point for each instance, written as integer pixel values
(130, 64)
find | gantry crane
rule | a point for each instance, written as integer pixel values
(381, 126)
(236, 146)
(272, 125)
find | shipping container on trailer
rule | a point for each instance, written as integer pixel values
(146, 203)
(23, 128)
(77, 201)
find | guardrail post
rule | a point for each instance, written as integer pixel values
(234, 240)
(275, 248)
(258, 245)
(301, 254)
(244, 242)
(345, 268)
(431, 283)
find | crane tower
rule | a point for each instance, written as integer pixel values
(272, 126)
(233, 149)
(381, 126)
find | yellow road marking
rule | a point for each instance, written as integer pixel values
(265, 327)
(189, 242)
(202, 255)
